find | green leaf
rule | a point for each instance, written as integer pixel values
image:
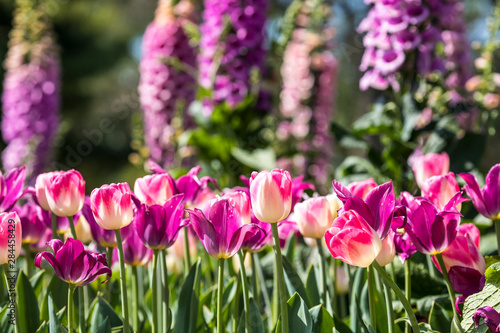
(59, 291)
(37, 281)
(53, 320)
(256, 323)
(298, 315)
(5, 326)
(439, 319)
(357, 289)
(27, 305)
(410, 114)
(340, 326)
(322, 320)
(186, 314)
(293, 282)
(312, 286)
(290, 246)
(105, 326)
(258, 159)
(102, 311)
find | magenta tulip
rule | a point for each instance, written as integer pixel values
(261, 239)
(362, 188)
(11, 188)
(465, 281)
(440, 189)
(154, 189)
(222, 233)
(72, 263)
(34, 221)
(134, 251)
(314, 216)
(490, 316)
(158, 226)
(352, 240)
(10, 237)
(486, 199)
(240, 201)
(65, 192)
(192, 187)
(429, 165)
(271, 195)
(112, 206)
(404, 246)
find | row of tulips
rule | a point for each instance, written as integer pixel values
(363, 225)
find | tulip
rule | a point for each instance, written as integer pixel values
(11, 188)
(34, 221)
(158, 226)
(103, 237)
(404, 246)
(65, 192)
(429, 165)
(154, 189)
(10, 237)
(490, 316)
(40, 185)
(240, 201)
(134, 252)
(82, 229)
(388, 251)
(112, 206)
(362, 188)
(466, 281)
(257, 242)
(486, 199)
(298, 188)
(314, 216)
(271, 195)
(352, 240)
(192, 187)
(440, 189)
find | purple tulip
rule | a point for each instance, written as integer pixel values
(486, 199)
(222, 233)
(491, 318)
(191, 186)
(158, 226)
(11, 188)
(134, 251)
(72, 263)
(105, 238)
(430, 229)
(404, 246)
(34, 221)
(261, 239)
(466, 281)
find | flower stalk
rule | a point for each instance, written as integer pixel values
(281, 279)
(244, 283)
(123, 282)
(451, 292)
(220, 328)
(322, 266)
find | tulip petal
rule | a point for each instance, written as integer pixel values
(205, 231)
(491, 191)
(491, 317)
(475, 193)
(241, 235)
(381, 201)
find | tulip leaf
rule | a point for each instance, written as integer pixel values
(439, 319)
(356, 292)
(5, 325)
(293, 282)
(103, 310)
(340, 326)
(53, 320)
(322, 320)
(105, 326)
(59, 291)
(187, 312)
(312, 286)
(27, 305)
(256, 323)
(37, 281)
(298, 315)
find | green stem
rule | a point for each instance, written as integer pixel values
(71, 289)
(281, 279)
(400, 295)
(407, 287)
(54, 226)
(255, 286)
(123, 283)
(27, 258)
(71, 222)
(371, 297)
(264, 291)
(81, 311)
(451, 292)
(166, 295)
(220, 291)
(155, 292)
(135, 300)
(334, 298)
(109, 257)
(187, 254)
(322, 267)
(244, 283)
(389, 309)
(496, 222)
(430, 266)
(8, 283)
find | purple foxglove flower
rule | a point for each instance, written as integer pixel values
(34, 221)
(430, 229)
(158, 226)
(404, 246)
(134, 251)
(103, 237)
(163, 88)
(72, 263)
(388, 61)
(486, 199)
(11, 188)
(490, 316)
(222, 233)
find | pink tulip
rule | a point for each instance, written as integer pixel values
(388, 252)
(112, 206)
(154, 189)
(440, 189)
(362, 188)
(11, 188)
(65, 192)
(271, 195)
(314, 216)
(240, 201)
(40, 185)
(429, 165)
(486, 199)
(352, 240)
(10, 237)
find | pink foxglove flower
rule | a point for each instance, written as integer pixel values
(10, 237)
(112, 206)
(65, 193)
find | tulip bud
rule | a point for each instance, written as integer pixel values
(40, 184)
(440, 189)
(271, 195)
(362, 188)
(388, 252)
(65, 192)
(154, 189)
(112, 206)
(429, 165)
(241, 202)
(352, 240)
(314, 216)
(10, 237)
(83, 232)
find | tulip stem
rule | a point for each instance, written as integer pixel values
(27, 258)
(281, 279)
(166, 295)
(322, 268)
(109, 257)
(135, 295)
(123, 282)
(155, 292)
(399, 294)
(496, 222)
(371, 297)
(81, 311)
(262, 282)
(388, 305)
(54, 226)
(8, 283)
(71, 289)
(255, 287)
(220, 291)
(244, 283)
(451, 292)
(407, 287)
(187, 254)
(71, 222)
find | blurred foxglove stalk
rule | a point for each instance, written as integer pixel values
(168, 82)
(31, 90)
